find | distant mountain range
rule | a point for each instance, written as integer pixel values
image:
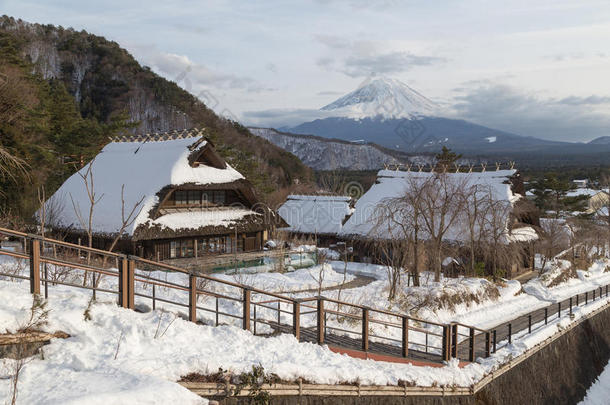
(389, 113)
(335, 154)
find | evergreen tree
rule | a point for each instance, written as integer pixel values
(447, 157)
(551, 194)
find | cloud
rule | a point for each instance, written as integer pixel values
(365, 58)
(591, 100)
(281, 117)
(193, 77)
(389, 63)
(329, 93)
(510, 109)
(182, 68)
(363, 4)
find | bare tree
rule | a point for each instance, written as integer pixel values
(441, 209)
(93, 199)
(319, 274)
(497, 233)
(347, 254)
(605, 211)
(553, 240)
(126, 220)
(474, 203)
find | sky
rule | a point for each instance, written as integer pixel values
(539, 68)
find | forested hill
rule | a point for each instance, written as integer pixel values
(65, 92)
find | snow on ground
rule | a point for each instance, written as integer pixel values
(599, 392)
(156, 349)
(596, 276)
(298, 280)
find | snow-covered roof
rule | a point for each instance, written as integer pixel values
(315, 214)
(583, 192)
(392, 184)
(143, 168)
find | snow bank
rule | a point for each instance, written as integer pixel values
(599, 392)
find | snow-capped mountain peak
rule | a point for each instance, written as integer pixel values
(383, 97)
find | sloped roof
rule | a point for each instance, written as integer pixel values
(315, 214)
(394, 183)
(144, 166)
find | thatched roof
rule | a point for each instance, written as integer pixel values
(146, 168)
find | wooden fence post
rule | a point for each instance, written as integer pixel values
(131, 284)
(529, 323)
(546, 315)
(495, 340)
(192, 298)
(471, 346)
(446, 343)
(246, 314)
(321, 326)
(123, 285)
(296, 319)
(34, 266)
(454, 341)
(365, 329)
(570, 305)
(405, 336)
(487, 344)
(559, 310)
(510, 332)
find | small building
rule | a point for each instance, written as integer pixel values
(320, 217)
(186, 200)
(580, 183)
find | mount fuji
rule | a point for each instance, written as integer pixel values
(384, 97)
(390, 113)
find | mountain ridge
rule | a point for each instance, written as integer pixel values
(104, 90)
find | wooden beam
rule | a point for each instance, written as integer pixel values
(321, 326)
(296, 320)
(405, 336)
(246, 309)
(471, 347)
(192, 298)
(131, 274)
(34, 266)
(365, 329)
(123, 283)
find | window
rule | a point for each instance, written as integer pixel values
(240, 244)
(181, 248)
(207, 197)
(194, 197)
(181, 197)
(219, 197)
(228, 245)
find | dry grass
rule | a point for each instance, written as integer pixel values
(565, 275)
(448, 298)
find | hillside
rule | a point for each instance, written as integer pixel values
(75, 89)
(329, 154)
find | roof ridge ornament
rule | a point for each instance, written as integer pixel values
(169, 135)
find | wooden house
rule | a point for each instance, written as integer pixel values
(519, 223)
(186, 200)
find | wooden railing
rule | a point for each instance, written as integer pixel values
(139, 284)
